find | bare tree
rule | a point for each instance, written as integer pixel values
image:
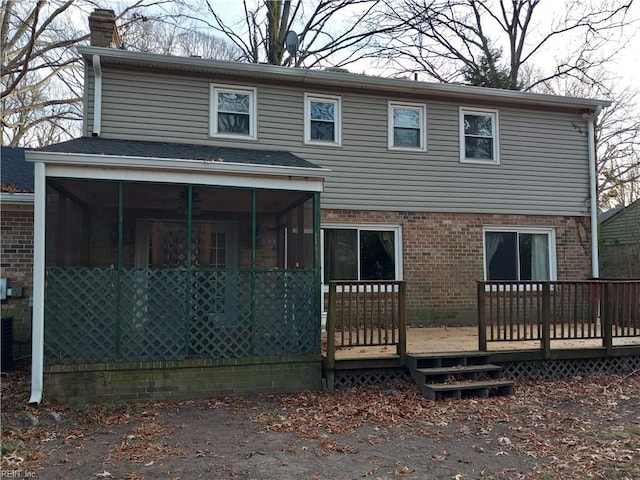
(447, 38)
(330, 32)
(172, 36)
(618, 152)
(42, 84)
(39, 69)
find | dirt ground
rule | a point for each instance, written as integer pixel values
(586, 427)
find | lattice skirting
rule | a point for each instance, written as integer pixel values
(548, 369)
(556, 369)
(370, 376)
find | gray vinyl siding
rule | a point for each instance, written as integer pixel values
(544, 160)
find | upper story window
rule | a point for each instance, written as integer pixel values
(233, 112)
(519, 254)
(322, 122)
(479, 136)
(407, 126)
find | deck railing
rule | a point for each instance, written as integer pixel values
(559, 310)
(366, 314)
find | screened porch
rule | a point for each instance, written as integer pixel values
(142, 271)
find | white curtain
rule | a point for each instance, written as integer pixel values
(540, 257)
(386, 238)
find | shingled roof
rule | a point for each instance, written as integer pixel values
(16, 175)
(137, 148)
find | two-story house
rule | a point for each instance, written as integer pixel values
(198, 219)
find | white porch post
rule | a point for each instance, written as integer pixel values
(37, 335)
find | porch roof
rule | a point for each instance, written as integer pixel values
(137, 148)
(16, 175)
(135, 160)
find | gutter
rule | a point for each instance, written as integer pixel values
(593, 192)
(97, 96)
(16, 198)
(37, 329)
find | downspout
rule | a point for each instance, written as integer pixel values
(97, 96)
(37, 334)
(595, 269)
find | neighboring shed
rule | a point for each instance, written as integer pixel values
(620, 243)
(16, 244)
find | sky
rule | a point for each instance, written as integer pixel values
(627, 49)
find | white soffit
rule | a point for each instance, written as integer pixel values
(163, 170)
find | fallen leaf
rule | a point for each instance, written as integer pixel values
(406, 470)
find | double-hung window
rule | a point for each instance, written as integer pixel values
(479, 136)
(233, 112)
(322, 119)
(361, 253)
(407, 126)
(519, 254)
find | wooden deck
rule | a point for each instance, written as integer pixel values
(465, 339)
(542, 328)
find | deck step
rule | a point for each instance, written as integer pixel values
(457, 375)
(437, 391)
(447, 360)
(459, 370)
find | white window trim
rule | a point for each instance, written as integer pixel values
(496, 135)
(423, 125)
(337, 100)
(214, 88)
(364, 226)
(550, 232)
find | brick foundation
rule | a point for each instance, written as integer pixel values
(80, 384)
(443, 256)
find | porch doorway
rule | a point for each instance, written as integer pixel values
(163, 244)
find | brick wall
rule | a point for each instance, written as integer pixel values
(16, 262)
(80, 384)
(443, 256)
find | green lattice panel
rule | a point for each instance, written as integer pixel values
(80, 315)
(102, 315)
(220, 323)
(152, 315)
(285, 314)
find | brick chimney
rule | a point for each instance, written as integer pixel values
(102, 25)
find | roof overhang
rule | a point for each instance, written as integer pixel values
(324, 78)
(16, 201)
(168, 170)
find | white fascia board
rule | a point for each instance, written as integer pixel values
(108, 167)
(16, 198)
